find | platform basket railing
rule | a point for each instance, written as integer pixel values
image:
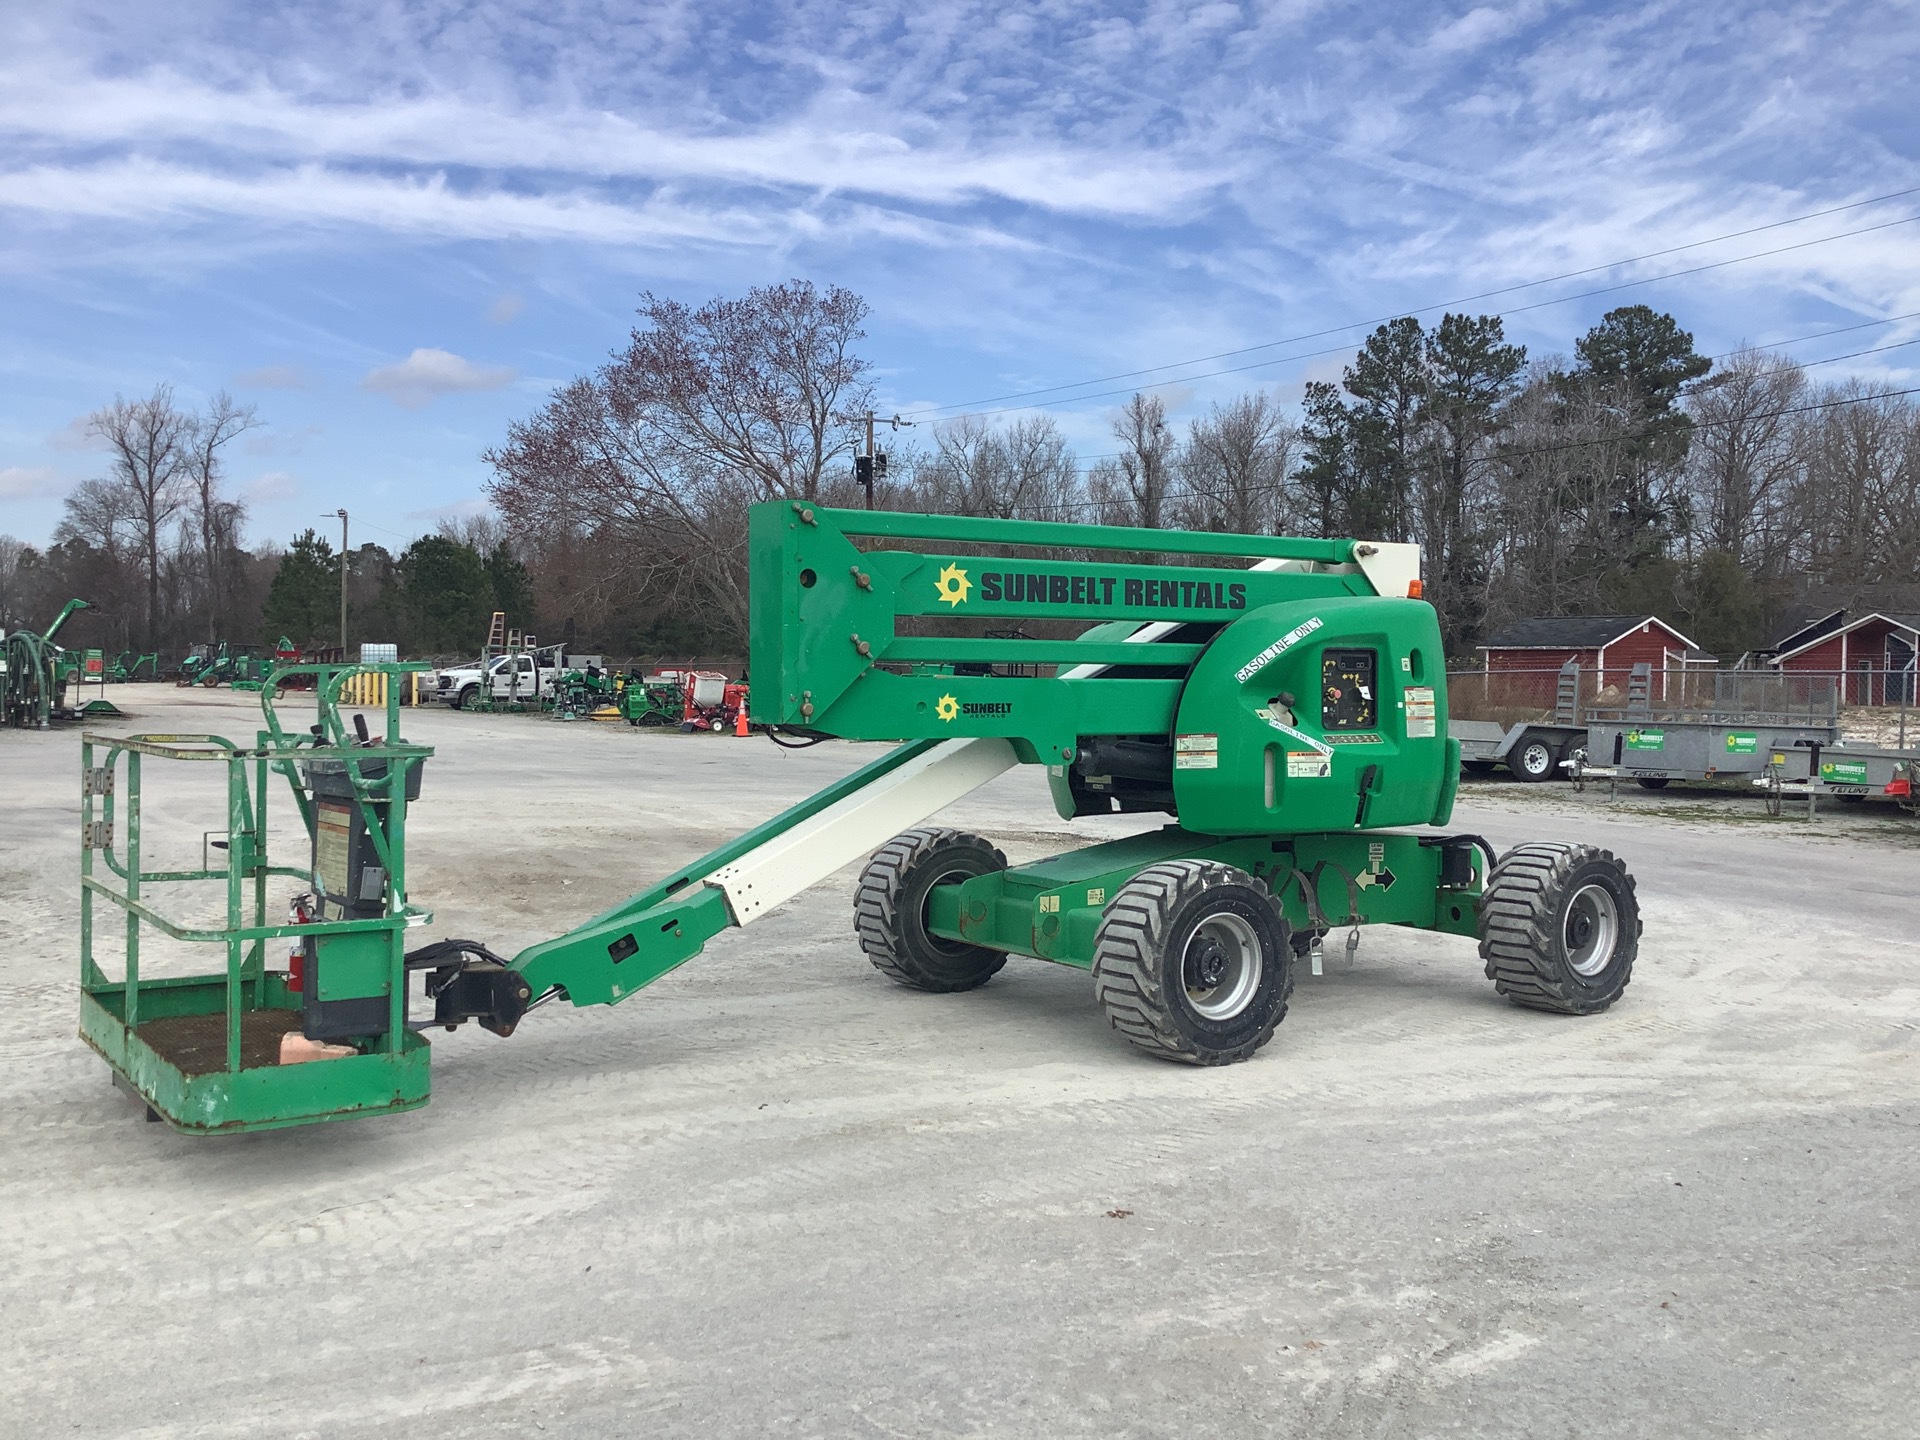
(114, 874)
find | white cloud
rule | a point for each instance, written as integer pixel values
(273, 485)
(1482, 26)
(36, 482)
(834, 143)
(76, 434)
(275, 440)
(1048, 191)
(310, 195)
(427, 374)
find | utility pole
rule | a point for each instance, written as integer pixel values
(870, 466)
(343, 583)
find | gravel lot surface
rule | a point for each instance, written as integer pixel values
(779, 1195)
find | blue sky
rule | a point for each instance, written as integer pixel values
(395, 228)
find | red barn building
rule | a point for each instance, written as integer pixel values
(1874, 652)
(1607, 647)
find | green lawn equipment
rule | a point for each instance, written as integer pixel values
(658, 699)
(1289, 719)
(248, 668)
(586, 693)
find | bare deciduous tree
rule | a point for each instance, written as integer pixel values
(1022, 472)
(217, 519)
(751, 389)
(13, 582)
(1132, 488)
(659, 453)
(147, 440)
(1234, 466)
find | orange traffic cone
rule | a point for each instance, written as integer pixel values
(740, 722)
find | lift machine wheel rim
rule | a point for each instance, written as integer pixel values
(956, 874)
(1221, 966)
(1591, 929)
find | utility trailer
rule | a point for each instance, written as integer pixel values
(1751, 718)
(1844, 771)
(1289, 720)
(1530, 750)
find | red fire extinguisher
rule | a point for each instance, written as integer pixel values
(298, 913)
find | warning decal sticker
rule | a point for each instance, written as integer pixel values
(333, 828)
(1420, 712)
(1196, 752)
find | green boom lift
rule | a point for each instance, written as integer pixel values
(1288, 718)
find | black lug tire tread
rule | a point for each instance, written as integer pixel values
(1126, 976)
(1517, 919)
(877, 918)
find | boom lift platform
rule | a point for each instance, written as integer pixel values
(1290, 719)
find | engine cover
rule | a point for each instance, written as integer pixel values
(1322, 714)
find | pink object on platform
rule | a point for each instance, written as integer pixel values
(297, 1049)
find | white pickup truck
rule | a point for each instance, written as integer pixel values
(523, 679)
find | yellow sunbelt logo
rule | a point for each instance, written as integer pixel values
(953, 586)
(949, 708)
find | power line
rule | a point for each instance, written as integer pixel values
(1855, 354)
(1469, 299)
(1514, 310)
(1803, 364)
(1822, 334)
(1713, 424)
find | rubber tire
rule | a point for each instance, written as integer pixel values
(1137, 951)
(465, 696)
(890, 908)
(1523, 920)
(1516, 758)
(1652, 782)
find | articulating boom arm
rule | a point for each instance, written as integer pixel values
(827, 657)
(67, 612)
(827, 654)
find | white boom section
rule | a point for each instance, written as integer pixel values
(856, 826)
(775, 872)
(1391, 565)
